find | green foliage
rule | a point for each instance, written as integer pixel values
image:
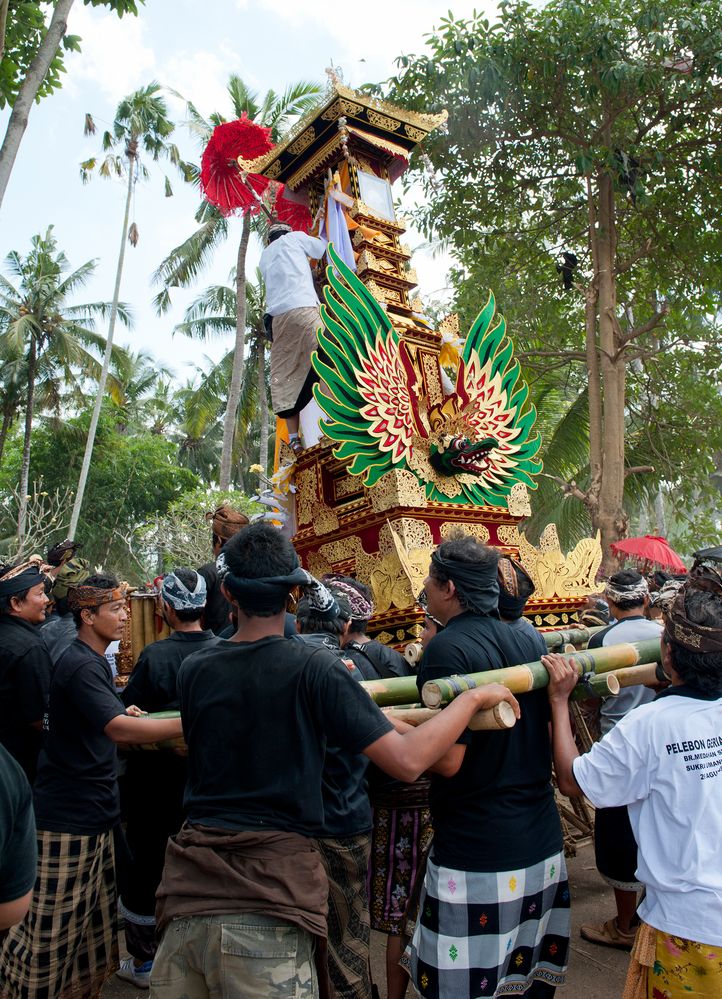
(24, 33)
(133, 479)
(182, 536)
(545, 104)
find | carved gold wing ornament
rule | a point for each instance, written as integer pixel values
(471, 447)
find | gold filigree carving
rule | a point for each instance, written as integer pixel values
(350, 107)
(347, 486)
(385, 637)
(416, 304)
(414, 133)
(325, 520)
(332, 113)
(556, 574)
(518, 500)
(381, 121)
(303, 141)
(412, 534)
(318, 566)
(450, 324)
(399, 487)
(432, 381)
(274, 170)
(475, 530)
(306, 495)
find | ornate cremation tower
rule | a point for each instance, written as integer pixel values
(419, 432)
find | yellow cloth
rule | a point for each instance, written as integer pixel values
(667, 967)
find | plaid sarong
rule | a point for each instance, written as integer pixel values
(491, 934)
(346, 861)
(67, 945)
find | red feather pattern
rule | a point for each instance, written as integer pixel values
(221, 180)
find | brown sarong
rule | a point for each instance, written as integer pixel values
(294, 340)
(209, 871)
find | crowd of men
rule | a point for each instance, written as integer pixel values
(250, 844)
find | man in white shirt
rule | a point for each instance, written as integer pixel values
(292, 302)
(664, 761)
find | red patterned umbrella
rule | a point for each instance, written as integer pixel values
(222, 181)
(649, 552)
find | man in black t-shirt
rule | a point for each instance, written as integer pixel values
(244, 891)
(155, 781)
(375, 660)
(24, 663)
(67, 943)
(18, 849)
(495, 909)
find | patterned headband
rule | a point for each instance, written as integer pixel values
(23, 576)
(361, 608)
(618, 593)
(174, 591)
(94, 596)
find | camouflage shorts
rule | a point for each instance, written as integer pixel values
(241, 956)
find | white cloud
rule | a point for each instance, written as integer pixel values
(374, 35)
(115, 57)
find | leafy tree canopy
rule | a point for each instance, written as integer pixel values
(24, 31)
(133, 479)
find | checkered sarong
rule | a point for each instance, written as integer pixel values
(483, 935)
(67, 945)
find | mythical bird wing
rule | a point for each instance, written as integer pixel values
(494, 400)
(365, 395)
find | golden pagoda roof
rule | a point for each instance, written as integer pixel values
(316, 135)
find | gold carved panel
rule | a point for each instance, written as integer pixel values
(303, 141)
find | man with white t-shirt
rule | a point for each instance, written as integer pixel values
(615, 850)
(292, 302)
(664, 761)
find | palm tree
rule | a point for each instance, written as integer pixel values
(134, 380)
(185, 262)
(215, 313)
(43, 335)
(141, 124)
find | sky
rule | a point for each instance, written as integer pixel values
(192, 48)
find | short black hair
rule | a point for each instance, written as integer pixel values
(5, 605)
(311, 624)
(189, 578)
(462, 547)
(701, 670)
(102, 581)
(626, 577)
(258, 551)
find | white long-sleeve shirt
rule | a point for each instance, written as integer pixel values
(287, 274)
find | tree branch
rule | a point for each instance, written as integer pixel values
(647, 327)
(636, 469)
(627, 264)
(571, 355)
(568, 488)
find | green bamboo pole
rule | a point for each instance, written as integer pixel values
(396, 690)
(500, 717)
(604, 685)
(567, 636)
(532, 676)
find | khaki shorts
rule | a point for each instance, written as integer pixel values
(241, 956)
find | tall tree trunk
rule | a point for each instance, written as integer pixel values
(262, 407)
(4, 4)
(106, 357)
(234, 392)
(4, 431)
(37, 72)
(27, 439)
(594, 391)
(611, 518)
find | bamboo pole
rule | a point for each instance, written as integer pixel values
(500, 717)
(568, 636)
(532, 676)
(645, 674)
(604, 685)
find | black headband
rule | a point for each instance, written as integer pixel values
(24, 580)
(264, 593)
(476, 582)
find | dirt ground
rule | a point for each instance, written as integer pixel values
(594, 972)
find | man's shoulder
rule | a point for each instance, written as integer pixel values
(17, 637)
(629, 630)
(77, 655)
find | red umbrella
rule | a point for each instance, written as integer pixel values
(222, 182)
(649, 552)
